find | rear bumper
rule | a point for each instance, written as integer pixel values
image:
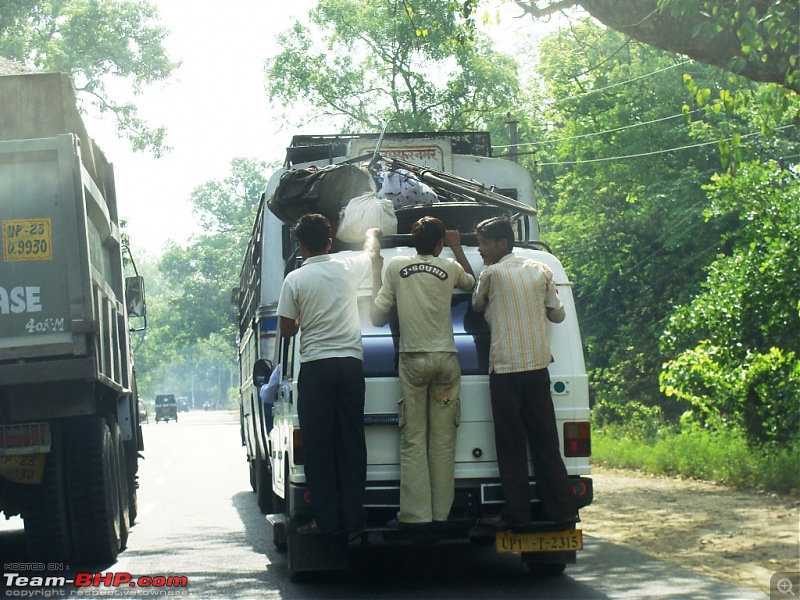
(474, 499)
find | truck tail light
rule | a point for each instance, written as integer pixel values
(30, 438)
(297, 447)
(577, 439)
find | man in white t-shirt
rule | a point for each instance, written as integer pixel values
(319, 301)
(430, 377)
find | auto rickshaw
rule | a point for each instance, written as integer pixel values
(166, 408)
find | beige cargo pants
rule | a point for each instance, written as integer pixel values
(429, 413)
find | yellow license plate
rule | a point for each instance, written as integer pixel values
(22, 468)
(544, 541)
(27, 239)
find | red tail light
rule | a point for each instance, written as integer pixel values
(577, 439)
(30, 437)
(297, 447)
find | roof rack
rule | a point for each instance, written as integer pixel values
(310, 148)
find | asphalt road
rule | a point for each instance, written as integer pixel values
(198, 520)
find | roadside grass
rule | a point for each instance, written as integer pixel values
(723, 457)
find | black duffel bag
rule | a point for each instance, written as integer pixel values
(323, 190)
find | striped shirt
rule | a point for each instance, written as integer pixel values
(519, 296)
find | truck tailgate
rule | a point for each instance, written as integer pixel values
(44, 310)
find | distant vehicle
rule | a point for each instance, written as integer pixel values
(143, 418)
(183, 404)
(166, 408)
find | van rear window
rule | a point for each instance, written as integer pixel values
(471, 333)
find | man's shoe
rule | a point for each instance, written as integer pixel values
(495, 521)
(309, 527)
(396, 523)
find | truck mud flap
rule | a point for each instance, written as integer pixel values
(308, 552)
(46, 519)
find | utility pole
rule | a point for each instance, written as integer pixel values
(512, 136)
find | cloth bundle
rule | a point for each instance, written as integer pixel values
(403, 188)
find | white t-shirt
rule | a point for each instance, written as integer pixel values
(323, 294)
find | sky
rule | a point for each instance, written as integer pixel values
(214, 107)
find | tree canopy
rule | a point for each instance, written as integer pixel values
(96, 43)
(191, 328)
(736, 360)
(758, 39)
(368, 62)
(648, 196)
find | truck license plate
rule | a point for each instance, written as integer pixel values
(27, 239)
(23, 468)
(545, 541)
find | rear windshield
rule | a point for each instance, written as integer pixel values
(470, 330)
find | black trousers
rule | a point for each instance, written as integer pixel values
(330, 405)
(523, 412)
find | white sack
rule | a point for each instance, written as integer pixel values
(365, 212)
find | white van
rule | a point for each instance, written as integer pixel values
(543, 546)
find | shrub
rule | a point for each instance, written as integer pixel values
(724, 457)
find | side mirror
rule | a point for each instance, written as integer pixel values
(135, 300)
(262, 369)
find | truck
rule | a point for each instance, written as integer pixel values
(70, 435)
(470, 186)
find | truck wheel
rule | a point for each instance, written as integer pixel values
(93, 491)
(251, 468)
(278, 504)
(263, 484)
(292, 535)
(122, 486)
(45, 514)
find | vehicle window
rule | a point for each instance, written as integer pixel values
(471, 334)
(287, 357)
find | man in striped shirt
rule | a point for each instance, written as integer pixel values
(519, 296)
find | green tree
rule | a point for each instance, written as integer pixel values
(191, 329)
(96, 43)
(736, 359)
(622, 211)
(621, 152)
(392, 60)
(758, 39)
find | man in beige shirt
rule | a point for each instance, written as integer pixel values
(519, 297)
(430, 377)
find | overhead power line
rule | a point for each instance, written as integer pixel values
(654, 152)
(613, 85)
(653, 285)
(596, 133)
